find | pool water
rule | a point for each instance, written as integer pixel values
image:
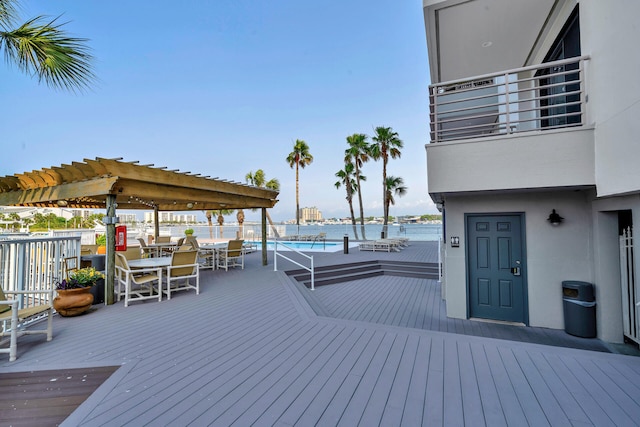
(303, 246)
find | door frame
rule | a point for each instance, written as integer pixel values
(524, 274)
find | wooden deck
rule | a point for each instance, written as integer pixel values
(251, 350)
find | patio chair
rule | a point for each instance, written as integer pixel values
(88, 249)
(136, 284)
(206, 256)
(132, 252)
(13, 319)
(232, 255)
(70, 265)
(163, 239)
(146, 250)
(183, 270)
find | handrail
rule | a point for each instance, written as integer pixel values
(276, 254)
(538, 97)
(515, 70)
(34, 263)
(324, 241)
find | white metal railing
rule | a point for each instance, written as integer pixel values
(630, 296)
(277, 254)
(34, 263)
(539, 97)
(440, 248)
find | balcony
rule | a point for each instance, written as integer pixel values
(516, 129)
(541, 97)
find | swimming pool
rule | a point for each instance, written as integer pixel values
(303, 246)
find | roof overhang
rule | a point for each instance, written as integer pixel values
(475, 37)
(87, 184)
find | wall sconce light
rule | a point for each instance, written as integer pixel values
(554, 218)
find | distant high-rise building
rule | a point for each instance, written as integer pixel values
(310, 214)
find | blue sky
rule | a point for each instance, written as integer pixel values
(225, 87)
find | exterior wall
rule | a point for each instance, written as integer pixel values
(586, 246)
(609, 33)
(536, 160)
(553, 254)
(607, 263)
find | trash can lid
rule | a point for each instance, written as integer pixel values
(582, 291)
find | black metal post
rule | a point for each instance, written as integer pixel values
(346, 243)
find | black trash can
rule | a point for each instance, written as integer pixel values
(97, 262)
(579, 303)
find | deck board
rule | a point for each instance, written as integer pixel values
(255, 348)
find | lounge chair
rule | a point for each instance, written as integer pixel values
(378, 246)
(249, 247)
(13, 319)
(184, 270)
(136, 284)
(395, 244)
(232, 255)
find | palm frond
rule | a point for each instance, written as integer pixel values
(8, 13)
(45, 50)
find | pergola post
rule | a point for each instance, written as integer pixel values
(110, 222)
(156, 230)
(264, 236)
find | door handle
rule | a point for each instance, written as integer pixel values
(516, 270)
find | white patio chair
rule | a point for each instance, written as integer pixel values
(206, 256)
(137, 284)
(183, 273)
(232, 255)
(146, 250)
(13, 320)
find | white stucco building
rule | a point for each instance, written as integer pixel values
(535, 107)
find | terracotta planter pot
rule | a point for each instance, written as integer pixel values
(102, 250)
(71, 302)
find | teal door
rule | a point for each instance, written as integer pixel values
(496, 268)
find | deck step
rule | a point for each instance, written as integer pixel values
(332, 274)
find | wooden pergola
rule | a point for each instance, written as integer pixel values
(112, 183)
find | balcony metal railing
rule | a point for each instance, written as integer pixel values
(539, 97)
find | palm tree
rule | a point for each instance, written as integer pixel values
(346, 179)
(220, 219)
(393, 185)
(300, 157)
(360, 151)
(209, 215)
(40, 47)
(385, 144)
(258, 179)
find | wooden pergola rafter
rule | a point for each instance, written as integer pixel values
(112, 183)
(87, 184)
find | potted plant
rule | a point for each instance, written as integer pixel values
(74, 296)
(188, 232)
(101, 241)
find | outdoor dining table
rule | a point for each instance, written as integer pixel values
(159, 248)
(215, 248)
(162, 262)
